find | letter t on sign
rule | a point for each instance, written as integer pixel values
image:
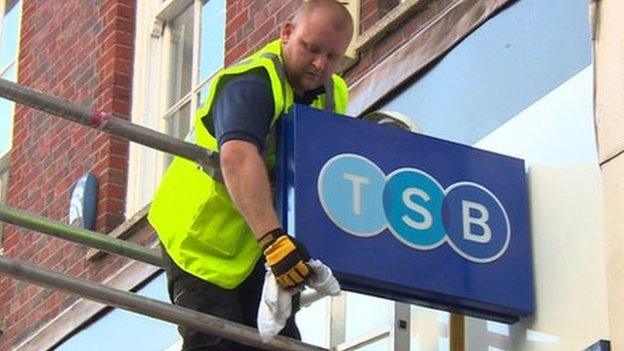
(357, 182)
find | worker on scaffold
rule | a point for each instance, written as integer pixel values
(216, 237)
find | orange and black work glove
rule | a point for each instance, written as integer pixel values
(286, 257)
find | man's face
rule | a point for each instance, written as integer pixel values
(312, 51)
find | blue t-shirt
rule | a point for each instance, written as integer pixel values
(244, 109)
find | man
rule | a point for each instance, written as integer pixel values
(217, 237)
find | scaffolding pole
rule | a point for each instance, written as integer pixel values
(79, 235)
(207, 159)
(149, 307)
(104, 242)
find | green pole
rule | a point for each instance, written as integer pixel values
(79, 235)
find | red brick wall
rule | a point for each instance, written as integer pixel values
(251, 24)
(373, 10)
(79, 51)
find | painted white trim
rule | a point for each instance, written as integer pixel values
(171, 9)
(146, 106)
(14, 63)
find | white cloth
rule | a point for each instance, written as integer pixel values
(276, 304)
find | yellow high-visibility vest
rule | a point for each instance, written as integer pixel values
(193, 215)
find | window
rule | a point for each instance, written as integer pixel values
(179, 48)
(196, 49)
(9, 38)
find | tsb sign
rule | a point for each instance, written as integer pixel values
(362, 201)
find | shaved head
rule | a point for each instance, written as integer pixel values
(314, 43)
(339, 16)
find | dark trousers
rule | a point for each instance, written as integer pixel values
(239, 305)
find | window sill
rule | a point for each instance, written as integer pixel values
(388, 22)
(124, 231)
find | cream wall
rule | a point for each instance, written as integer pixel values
(556, 138)
(609, 46)
(613, 178)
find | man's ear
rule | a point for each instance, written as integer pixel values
(286, 31)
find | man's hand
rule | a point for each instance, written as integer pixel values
(286, 257)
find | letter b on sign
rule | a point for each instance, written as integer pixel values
(476, 222)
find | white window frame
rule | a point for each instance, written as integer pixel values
(3, 7)
(4, 70)
(5, 157)
(151, 90)
(168, 11)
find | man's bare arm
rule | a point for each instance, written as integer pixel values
(246, 178)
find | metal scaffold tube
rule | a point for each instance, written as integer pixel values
(207, 159)
(209, 163)
(79, 235)
(149, 307)
(102, 242)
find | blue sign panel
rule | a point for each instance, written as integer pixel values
(406, 216)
